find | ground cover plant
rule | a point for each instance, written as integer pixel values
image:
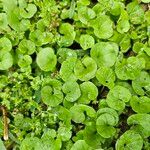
(75, 74)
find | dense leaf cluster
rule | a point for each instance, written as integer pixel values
(75, 74)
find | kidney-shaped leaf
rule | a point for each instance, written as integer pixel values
(6, 60)
(85, 69)
(130, 140)
(46, 59)
(88, 92)
(5, 44)
(117, 97)
(105, 53)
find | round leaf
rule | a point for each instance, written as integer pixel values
(85, 69)
(5, 44)
(105, 53)
(46, 59)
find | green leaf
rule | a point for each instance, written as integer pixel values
(103, 27)
(68, 35)
(123, 24)
(6, 60)
(107, 118)
(51, 92)
(140, 104)
(3, 21)
(106, 76)
(64, 133)
(80, 145)
(28, 11)
(85, 14)
(67, 69)
(24, 61)
(5, 44)
(140, 119)
(2, 147)
(141, 84)
(78, 113)
(92, 137)
(40, 38)
(117, 97)
(129, 68)
(86, 41)
(85, 69)
(46, 59)
(145, 1)
(71, 90)
(88, 92)
(130, 140)
(135, 12)
(104, 53)
(26, 47)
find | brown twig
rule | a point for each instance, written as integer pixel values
(5, 122)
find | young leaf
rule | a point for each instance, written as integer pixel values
(72, 91)
(85, 69)
(80, 145)
(123, 22)
(141, 84)
(46, 59)
(117, 97)
(26, 47)
(68, 35)
(130, 140)
(29, 11)
(140, 104)
(136, 13)
(78, 113)
(129, 68)
(88, 92)
(64, 133)
(3, 21)
(5, 44)
(85, 14)
(51, 92)
(140, 119)
(106, 76)
(103, 26)
(24, 61)
(107, 118)
(67, 69)
(104, 53)
(86, 41)
(6, 60)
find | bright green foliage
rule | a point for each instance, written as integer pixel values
(107, 118)
(86, 41)
(85, 69)
(106, 76)
(51, 92)
(104, 53)
(88, 92)
(117, 97)
(69, 35)
(5, 44)
(46, 59)
(67, 69)
(103, 26)
(129, 68)
(80, 145)
(6, 60)
(75, 74)
(78, 115)
(141, 84)
(140, 104)
(140, 119)
(123, 24)
(130, 140)
(26, 47)
(71, 90)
